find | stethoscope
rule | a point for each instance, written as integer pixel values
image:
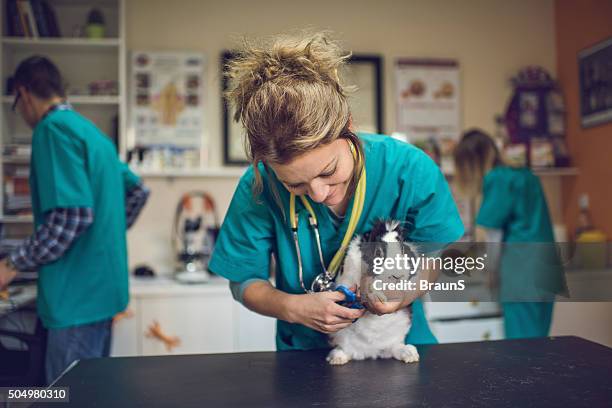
(325, 280)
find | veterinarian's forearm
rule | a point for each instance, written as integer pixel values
(265, 299)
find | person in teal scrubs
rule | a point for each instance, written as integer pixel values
(513, 208)
(300, 140)
(83, 200)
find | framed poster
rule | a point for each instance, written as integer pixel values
(363, 71)
(234, 138)
(167, 98)
(427, 99)
(595, 70)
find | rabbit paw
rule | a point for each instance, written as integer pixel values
(337, 357)
(406, 353)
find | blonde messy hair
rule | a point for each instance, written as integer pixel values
(288, 96)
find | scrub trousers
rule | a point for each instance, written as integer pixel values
(527, 319)
(66, 345)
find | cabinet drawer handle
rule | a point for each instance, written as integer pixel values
(126, 314)
(155, 331)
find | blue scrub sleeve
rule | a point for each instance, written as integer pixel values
(432, 212)
(61, 170)
(497, 201)
(243, 247)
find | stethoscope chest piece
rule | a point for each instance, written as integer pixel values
(322, 283)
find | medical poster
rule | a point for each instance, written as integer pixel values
(428, 99)
(167, 98)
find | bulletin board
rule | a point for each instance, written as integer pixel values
(167, 98)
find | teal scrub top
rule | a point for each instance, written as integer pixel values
(513, 201)
(75, 165)
(402, 183)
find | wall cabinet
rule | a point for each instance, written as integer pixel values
(165, 317)
(453, 322)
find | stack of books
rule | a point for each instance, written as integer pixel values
(16, 152)
(31, 18)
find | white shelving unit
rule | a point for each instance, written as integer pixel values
(542, 172)
(218, 172)
(82, 100)
(556, 172)
(44, 44)
(81, 61)
(17, 219)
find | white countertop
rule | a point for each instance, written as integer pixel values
(166, 286)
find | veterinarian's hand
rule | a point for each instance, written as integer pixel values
(320, 312)
(6, 274)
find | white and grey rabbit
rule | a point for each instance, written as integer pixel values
(373, 336)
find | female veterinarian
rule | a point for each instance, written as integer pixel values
(307, 164)
(513, 210)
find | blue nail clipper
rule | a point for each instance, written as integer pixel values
(351, 300)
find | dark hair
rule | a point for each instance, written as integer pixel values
(39, 76)
(477, 146)
(473, 154)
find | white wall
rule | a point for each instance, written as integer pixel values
(490, 38)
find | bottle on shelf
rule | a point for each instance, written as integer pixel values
(584, 222)
(591, 248)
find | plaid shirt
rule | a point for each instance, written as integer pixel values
(62, 226)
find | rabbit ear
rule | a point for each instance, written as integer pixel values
(378, 230)
(392, 225)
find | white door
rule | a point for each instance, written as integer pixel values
(125, 341)
(254, 332)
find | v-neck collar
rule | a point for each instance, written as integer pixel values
(344, 221)
(336, 219)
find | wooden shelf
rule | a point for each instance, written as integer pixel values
(82, 99)
(36, 43)
(16, 219)
(556, 171)
(218, 172)
(544, 172)
(15, 160)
